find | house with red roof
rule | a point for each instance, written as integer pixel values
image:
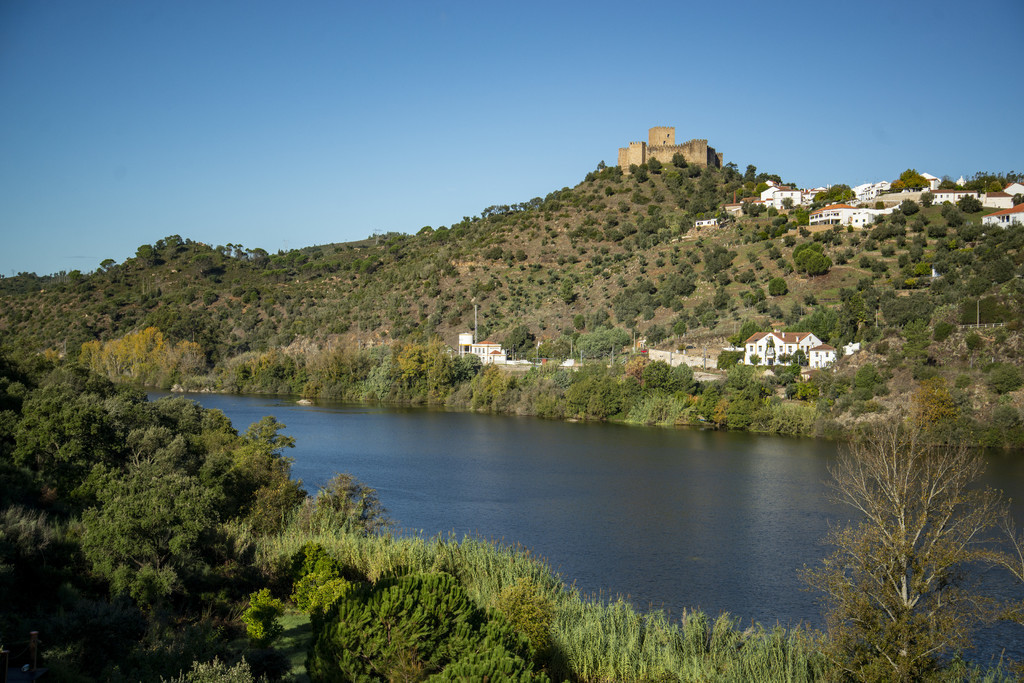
(1006, 217)
(952, 196)
(489, 352)
(997, 200)
(844, 214)
(774, 195)
(781, 348)
(1014, 188)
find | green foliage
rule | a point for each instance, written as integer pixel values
(529, 611)
(262, 618)
(969, 204)
(809, 258)
(910, 179)
(319, 583)
(728, 359)
(215, 672)
(1004, 378)
(777, 286)
(147, 533)
(942, 330)
(417, 623)
(836, 193)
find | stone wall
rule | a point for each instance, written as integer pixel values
(636, 153)
(661, 136)
(661, 146)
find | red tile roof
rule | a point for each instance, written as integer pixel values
(1004, 212)
(786, 337)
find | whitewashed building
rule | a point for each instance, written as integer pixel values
(780, 348)
(489, 352)
(997, 200)
(821, 356)
(1006, 217)
(776, 194)
(1014, 188)
(706, 223)
(844, 214)
(952, 196)
(834, 214)
(870, 191)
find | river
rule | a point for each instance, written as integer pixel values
(673, 519)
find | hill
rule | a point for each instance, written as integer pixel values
(615, 250)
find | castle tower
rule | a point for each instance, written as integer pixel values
(661, 136)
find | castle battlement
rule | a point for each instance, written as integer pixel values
(661, 145)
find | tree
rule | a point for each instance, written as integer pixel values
(520, 340)
(146, 535)
(836, 193)
(777, 286)
(896, 586)
(969, 204)
(809, 258)
(909, 179)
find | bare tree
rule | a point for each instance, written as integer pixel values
(898, 588)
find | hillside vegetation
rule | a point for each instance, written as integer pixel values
(614, 252)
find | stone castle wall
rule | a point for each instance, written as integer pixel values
(661, 136)
(661, 146)
(636, 153)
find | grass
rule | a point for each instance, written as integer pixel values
(294, 643)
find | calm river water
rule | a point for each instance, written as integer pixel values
(674, 519)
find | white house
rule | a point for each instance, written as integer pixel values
(706, 223)
(821, 356)
(997, 200)
(1006, 217)
(952, 196)
(844, 214)
(1014, 188)
(834, 214)
(489, 352)
(776, 194)
(869, 191)
(933, 182)
(774, 348)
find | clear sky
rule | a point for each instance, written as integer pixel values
(286, 124)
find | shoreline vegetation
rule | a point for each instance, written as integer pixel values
(624, 388)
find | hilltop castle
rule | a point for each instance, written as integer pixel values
(661, 145)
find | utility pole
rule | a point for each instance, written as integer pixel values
(474, 324)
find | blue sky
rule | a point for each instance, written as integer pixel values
(282, 125)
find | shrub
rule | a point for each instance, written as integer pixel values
(1004, 378)
(261, 618)
(319, 582)
(777, 286)
(215, 672)
(413, 626)
(529, 612)
(942, 331)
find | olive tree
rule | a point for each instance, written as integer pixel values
(896, 588)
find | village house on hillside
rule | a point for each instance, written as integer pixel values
(781, 348)
(490, 353)
(775, 195)
(1006, 217)
(844, 214)
(952, 196)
